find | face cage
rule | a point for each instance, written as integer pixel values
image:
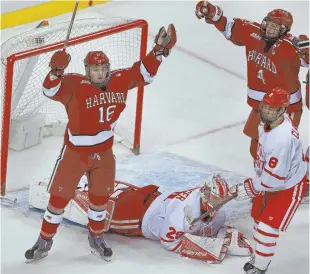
(206, 206)
(272, 30)
(269, 114)
(206, 197)
(104, 82)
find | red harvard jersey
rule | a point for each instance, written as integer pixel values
(277, 67)
(92, 111)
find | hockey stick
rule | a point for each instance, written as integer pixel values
(71, 25)
(189, 214)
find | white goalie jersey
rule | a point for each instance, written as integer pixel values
(166, 220)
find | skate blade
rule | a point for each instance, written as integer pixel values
(38, 258)
(96, 253)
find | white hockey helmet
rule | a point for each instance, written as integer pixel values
(213, 192)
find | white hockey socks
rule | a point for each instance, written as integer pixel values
(266, 238)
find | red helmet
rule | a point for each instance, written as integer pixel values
(282, 17)
(276, 98)
(96, 58)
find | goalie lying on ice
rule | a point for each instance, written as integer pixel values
(165, 217)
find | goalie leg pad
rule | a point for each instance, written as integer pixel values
(237, 243)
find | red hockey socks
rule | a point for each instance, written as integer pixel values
(96, 214)
(53, 217)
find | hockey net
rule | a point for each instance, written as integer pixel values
(24, 65)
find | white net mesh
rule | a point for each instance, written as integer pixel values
(123, 49)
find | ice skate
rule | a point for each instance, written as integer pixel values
(39, 250)
(100, 248)
(249, 268)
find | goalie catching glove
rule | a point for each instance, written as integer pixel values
(165, 40)
(213, 250)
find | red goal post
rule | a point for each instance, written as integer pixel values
(123, 40)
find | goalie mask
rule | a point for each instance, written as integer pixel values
(97, 68)
(276, 24)
(212, 193)
(274, 105)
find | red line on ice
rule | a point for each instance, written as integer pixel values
(216, 66)
(205, 133)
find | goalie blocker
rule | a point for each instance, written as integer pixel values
(161, 216)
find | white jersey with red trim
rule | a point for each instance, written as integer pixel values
(280, 163)
(165, 219)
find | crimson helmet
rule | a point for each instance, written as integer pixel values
(274, 105)
(284, 21)
(212, 192)
(277, 97)
(97, 58)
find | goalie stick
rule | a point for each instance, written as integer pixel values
(189, 213)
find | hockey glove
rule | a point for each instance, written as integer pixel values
(246, 190)
(211, 13)
(59, 61)
(165, 40)
(303, 46)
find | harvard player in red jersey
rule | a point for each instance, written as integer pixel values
(93, 103)
(273, 58)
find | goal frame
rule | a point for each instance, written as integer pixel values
(9, 75)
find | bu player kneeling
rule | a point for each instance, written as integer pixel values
(281, 182)
(165, 217)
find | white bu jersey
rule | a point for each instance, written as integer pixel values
(165, 219)
(279, 164)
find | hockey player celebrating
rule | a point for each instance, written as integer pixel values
(281, 179)
(273, 59)
(93, 103)
(167, 218)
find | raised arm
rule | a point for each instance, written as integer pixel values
(236, 30)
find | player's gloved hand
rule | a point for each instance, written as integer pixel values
(206, 10)
(245, 190)
(303, 45)
(59, 61)
(165, 40)
(307, 78)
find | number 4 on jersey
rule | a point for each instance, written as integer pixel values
(260, 75)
